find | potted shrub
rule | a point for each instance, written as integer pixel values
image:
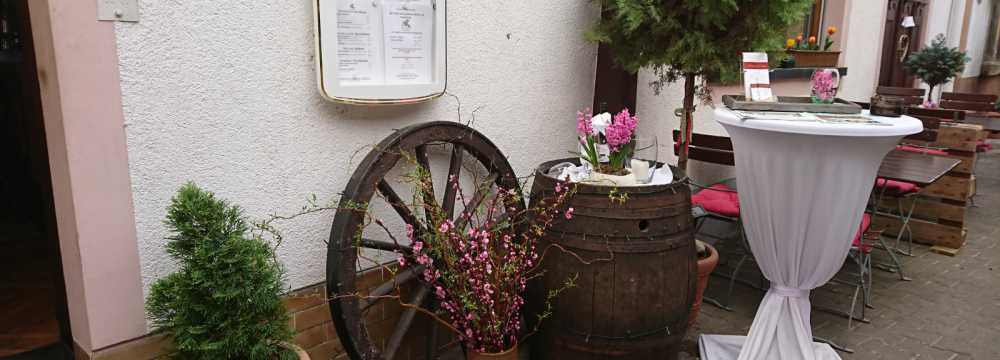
(701, 42)
(810, 53)
(936, 64)
(224, 300)
(708, 259)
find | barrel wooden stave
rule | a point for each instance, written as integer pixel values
(634, 304)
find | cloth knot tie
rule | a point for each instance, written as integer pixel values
(789, 291)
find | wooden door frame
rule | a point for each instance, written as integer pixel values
(915, 43)
(40, 169)
(77, 69)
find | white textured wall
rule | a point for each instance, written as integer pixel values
(223, 93)
(937, 19)
(979, 27)
(862, 48)
(944, 17)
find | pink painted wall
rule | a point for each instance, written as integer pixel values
(81, 100)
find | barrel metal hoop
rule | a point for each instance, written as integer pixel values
(673, 241)
(628, 335)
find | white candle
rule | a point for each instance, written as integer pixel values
(640, 170)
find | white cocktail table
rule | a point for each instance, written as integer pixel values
(803, 187)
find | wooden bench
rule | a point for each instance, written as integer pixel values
(910, 96)
(939, 216)
(968, 101)
(708, 148)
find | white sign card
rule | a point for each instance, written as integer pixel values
(756, 77)
(381, 51)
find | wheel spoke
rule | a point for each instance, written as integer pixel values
(397, 203)
(384, 246)
(474, 202)
(454, 170)
(405, 321)
(431, 353)
(427, 192)
(385, 288)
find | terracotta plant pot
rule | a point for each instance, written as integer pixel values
(705, 267)
(509, 354)
(303, 355)
(815, 58)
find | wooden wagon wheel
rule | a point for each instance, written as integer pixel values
(370, 180)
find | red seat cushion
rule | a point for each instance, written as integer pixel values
(922, 150)
(723, 203)
(866, 221)
(898, 187)
(983, 146)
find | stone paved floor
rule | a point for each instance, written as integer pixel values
(950, 311)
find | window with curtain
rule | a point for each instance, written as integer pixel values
(811, 24)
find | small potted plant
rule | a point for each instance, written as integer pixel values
(810, 53)
(708, 259)
(936, 64)
(607, 145)
(224, 300)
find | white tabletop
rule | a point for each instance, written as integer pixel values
(895, 126)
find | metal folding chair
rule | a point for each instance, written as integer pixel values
(901, 192)
(709, 210)
(860, 258)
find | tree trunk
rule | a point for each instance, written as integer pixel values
(686, 120)
(930, 93)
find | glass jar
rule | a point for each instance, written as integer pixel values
(824, 84)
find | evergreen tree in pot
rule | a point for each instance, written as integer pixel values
(224, 302)
(692, 40)
(936, 64)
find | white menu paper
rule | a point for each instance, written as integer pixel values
(359, 50)
(409, 40)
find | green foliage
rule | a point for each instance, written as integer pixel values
(224, 301)
(701, 37)
(936, 64)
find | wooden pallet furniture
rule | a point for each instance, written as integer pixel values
(939, 215)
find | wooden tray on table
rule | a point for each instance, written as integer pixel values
(791, 104)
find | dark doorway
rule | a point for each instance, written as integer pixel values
(33, 316)
(900, 41)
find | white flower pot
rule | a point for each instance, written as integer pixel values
(597, 178)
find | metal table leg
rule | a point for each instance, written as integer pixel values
(834, 345)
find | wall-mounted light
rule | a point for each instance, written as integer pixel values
(908, 22)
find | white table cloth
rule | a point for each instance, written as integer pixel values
(802, 189)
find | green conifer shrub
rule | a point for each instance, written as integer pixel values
(224, 301)
(936, 64)
(688, 39)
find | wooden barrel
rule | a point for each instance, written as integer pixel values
(633, 300)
